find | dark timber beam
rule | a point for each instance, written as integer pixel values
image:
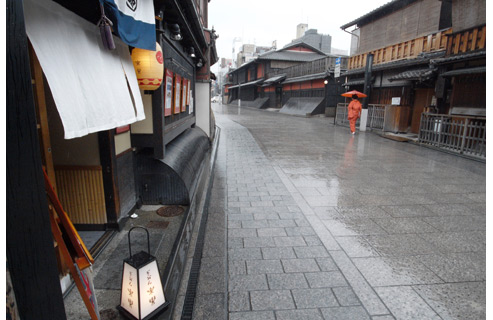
(30, 251)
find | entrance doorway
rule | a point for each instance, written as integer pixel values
(422, 99)
(278, 97)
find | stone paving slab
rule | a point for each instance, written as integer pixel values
(346, 227)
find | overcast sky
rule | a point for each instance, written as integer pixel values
(261, 22)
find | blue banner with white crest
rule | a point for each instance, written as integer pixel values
(133, 21)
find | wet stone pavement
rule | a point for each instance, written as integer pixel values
(309, 222)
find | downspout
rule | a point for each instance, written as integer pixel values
(353, 34)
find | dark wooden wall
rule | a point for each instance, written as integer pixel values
(469, 91)
(468, 13)
(126, 181)
(417, 19)
(29, 248)
(385, 95)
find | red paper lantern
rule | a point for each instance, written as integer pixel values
(149, 67)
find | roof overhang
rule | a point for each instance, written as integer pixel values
(459, 57)
(354, 82)
(306, 78)
(251, 83)
(463, 71)
(419, 74)
(274, 79)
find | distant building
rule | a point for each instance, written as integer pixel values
(339, 52)
(296, 75)
(249, 52)
(300, 30)
(311, 37)
(226, 62)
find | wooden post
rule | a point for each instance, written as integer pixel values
(482, 40)
(29, 243)
(43, 116)
(474, 39)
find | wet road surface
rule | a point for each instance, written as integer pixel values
(320, 224)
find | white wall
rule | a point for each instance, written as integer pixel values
(203, 106)
(144, 126)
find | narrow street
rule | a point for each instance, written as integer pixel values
(318, 224)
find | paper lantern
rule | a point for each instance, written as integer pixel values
(142, 295)
(148, 67)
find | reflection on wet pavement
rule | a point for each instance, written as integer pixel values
(403, 227)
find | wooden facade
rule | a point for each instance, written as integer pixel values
(447, 41)
(95, 194)
(468, 14)
(411, 22)
(468, 40)
(409, 49)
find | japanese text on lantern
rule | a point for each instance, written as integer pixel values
(150, 288)
(130, 291)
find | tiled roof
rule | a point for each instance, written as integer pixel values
(457, 57)
(354, 82)
(247, 83)
(464, 71)
(275, 79)
(419, 74)
(306, 78)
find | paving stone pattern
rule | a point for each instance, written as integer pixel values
(320, 224)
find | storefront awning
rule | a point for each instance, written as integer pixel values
(273, 80)
(251, 83)
(459, 72)
(94, 89)
(306, 78)
(420, 74)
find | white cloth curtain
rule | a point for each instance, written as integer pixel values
(87, 81)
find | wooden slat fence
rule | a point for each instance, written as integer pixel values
(467, 40)
(376, 116)
(308, 68)
(80, 190)
(459, 134)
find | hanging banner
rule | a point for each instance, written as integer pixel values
(133, 22)
(168, 92)
(177, 106)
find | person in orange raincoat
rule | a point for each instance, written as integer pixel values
(353, 113)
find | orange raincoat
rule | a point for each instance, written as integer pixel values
(353, 113)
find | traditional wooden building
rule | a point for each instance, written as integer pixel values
(246, 80)
(75, 109)
(459, 122)
(428, 71)
(298, 79)
(402, 36)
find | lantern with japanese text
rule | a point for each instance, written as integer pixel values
(142, 295)
(149, 67)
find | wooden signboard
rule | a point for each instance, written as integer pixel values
(168, 92)
(177, 94)
(184, 95)
(73, 253)
(189, 91)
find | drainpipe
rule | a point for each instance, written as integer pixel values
(353, 34)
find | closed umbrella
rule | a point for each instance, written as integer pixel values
(350, 94)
